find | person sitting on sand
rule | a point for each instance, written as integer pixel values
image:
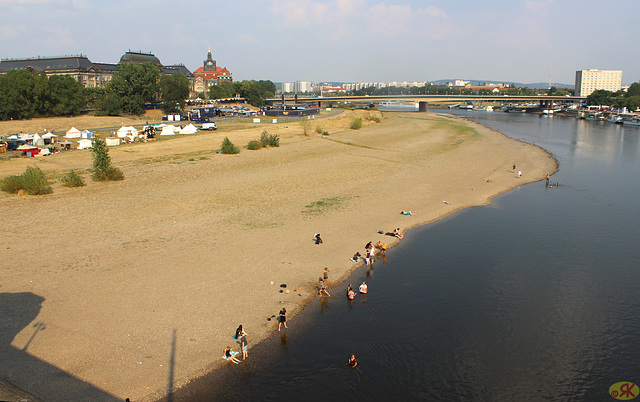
(397, 233)
(352, 361)
(356, 256)
(230, 355)
(318, 239)
(405, 213)
(381, 246)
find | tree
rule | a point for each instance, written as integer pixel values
(134, 85)
(174, 89)
(102, 169)
(66, 96)
(221, 90)
(599, 97)
(634, 90)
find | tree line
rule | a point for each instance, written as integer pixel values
(25, 94)
(619, 99)
(254, 92)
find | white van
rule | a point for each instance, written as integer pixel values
(209, 126)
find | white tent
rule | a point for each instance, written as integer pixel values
(126, 130)
(189, 129)
(37, 140)
(49, 138)
(84, 144)
(168, 130)
(112, 141)
(73, 133)
(86, 134)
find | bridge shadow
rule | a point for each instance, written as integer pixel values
(19, 369)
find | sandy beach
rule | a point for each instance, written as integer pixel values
(127, 289)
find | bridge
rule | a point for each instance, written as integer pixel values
(423, 100)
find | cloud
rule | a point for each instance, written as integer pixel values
(299, 13)
(405, 20)
(7, 32)
(22, 2)
(60, 38)
(538, 7)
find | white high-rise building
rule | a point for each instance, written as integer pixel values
(590, 80)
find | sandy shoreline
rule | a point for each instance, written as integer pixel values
(163, 266)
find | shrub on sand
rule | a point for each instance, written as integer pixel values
(72, 179)
(254, 144)
(11, 184)
(227, 147)
(357, 123)
(269, 140)
(319, 130)
(34, 181)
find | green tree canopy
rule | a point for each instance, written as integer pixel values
(24, 94)
(174, 89)
(134, 85)
(599, 97)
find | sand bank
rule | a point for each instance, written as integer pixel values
(133, 287)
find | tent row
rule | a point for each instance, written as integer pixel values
(173, 130)
(75, 133)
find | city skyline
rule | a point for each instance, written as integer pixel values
(339, 40)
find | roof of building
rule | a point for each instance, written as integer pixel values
(220, 71)
(54, 63)
(176, 69)
(139, 57)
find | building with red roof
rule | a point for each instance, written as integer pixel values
(209, 74)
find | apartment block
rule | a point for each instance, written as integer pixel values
(590, 80)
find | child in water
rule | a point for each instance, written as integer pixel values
(352, 361)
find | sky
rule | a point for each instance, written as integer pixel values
(523, 41)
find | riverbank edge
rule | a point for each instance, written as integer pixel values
(216, 366)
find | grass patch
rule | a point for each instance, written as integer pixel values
(323, 205)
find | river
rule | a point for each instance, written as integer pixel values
(534, 297)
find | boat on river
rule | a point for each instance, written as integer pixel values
(634, 121)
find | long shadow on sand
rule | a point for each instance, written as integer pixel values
(19, 368)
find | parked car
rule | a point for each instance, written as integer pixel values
(209, 126)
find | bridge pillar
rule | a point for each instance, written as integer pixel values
(320, 104)
(295, 98)
(423, 106)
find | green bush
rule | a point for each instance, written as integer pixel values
(227, 147)
(254, 144)
(357, 123)
(109, 174)
(34, 181)
(319, 130)
(325, 133)
(72, 179)
(374, 119)
(11, 184)
(269, 140)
